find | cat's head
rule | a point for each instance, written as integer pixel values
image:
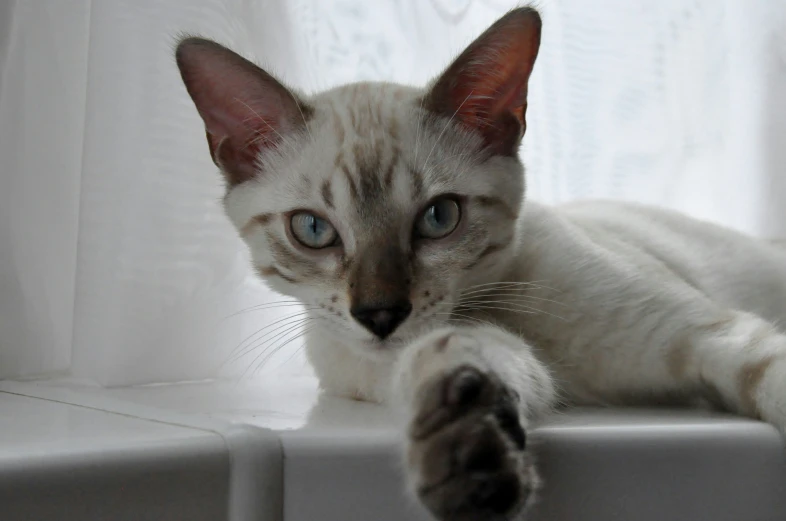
(374, 204)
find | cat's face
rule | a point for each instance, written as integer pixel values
(373, 204)
(375, 217)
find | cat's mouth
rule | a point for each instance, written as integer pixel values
(382, 345)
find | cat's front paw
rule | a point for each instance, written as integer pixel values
(467, 448)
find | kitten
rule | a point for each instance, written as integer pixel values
(397, 216)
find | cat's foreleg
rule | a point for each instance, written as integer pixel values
(470, 394)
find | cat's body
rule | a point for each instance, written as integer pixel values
(611, 282)
(397, 216)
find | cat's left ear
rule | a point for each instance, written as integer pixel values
(485, 88)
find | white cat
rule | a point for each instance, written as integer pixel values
(397, 216)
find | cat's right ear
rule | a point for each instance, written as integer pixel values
(246, 111)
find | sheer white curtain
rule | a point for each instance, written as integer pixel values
(116, 263)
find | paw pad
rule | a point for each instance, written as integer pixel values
(463, 387)
(467, 448)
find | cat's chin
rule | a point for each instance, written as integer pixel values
(377, 349)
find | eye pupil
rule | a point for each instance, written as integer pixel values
(439, 219)
(312, 231)
(436, 214)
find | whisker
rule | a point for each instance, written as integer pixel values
(297, 351)
(269, 305)
(476, 307)
(293, 315)
(506, 282)
(518, 308)
(521, 288)
(280, 347)
(288, 321)
(508, 293)
(460, 321)
(289, 326)
(489, 322)
(262, 352)
(518, 288)
(535, 284)
(473, 303)
(466, 318)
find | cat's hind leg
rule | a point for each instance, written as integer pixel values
(470, 394)
(737, 362)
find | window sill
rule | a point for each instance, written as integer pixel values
(280, 451)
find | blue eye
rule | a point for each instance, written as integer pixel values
(439, 219)
(312, 231)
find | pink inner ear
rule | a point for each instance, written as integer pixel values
(237, 136)
(257, 118)
(245, 110)
(248, 117)
(497, 75)
(486, 86)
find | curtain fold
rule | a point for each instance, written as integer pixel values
(116, 262)
(43, 51)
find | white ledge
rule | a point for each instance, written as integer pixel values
(280, 451)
